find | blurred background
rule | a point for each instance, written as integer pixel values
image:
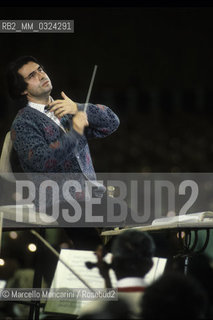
(155, 67)
(154, 70)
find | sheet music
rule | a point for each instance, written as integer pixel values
(192, 217)
(63, 278)
(156, 271)
(76, 259)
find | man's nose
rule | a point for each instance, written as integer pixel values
(40, 75)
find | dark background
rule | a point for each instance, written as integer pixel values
(154, 70)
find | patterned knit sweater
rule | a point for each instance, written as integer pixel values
(42, 146)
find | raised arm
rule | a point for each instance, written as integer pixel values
(102, 121)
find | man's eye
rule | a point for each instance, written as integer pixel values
(40, 69)
(31, 75)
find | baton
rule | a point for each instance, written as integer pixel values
(90, 87)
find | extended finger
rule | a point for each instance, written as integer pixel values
(64, 95)
(59, 111)
(56, 107)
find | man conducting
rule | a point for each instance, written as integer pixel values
(50, 136)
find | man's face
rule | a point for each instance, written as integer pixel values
(38, 82)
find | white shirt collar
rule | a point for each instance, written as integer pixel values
(37, 106)
(40, 107)
(131, 282)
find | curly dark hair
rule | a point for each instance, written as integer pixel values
(15, 82)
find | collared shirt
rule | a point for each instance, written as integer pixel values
(131, 284)
(40, 107)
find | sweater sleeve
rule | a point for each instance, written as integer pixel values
(102, 120)
(34, 151)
